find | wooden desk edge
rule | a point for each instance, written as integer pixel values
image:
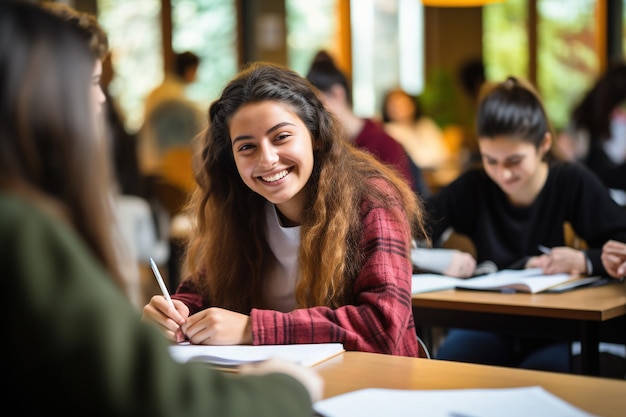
(565, 305)
(352, 371)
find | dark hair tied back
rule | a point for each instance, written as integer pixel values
(512, 109)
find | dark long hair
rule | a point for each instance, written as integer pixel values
(49, 145)
(324, 74)
(229, 245)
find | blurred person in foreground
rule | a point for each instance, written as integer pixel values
(139, 221)
(76, 344)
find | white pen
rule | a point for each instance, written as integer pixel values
(159, 278)
(544, 249)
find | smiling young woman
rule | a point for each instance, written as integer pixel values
(302, 237)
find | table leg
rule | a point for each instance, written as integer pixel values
(589, 348)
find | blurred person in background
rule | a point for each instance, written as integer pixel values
(171, 121)
(598, 130)
(365, 133)
(369, 135)
(419, 135)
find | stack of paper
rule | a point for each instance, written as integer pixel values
(304, 354)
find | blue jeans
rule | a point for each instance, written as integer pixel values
(505, 350)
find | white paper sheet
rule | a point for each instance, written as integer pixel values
(433, 282)
(511, 402)
(304, 354)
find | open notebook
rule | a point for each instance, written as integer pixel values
(229, 356)
(507, 280)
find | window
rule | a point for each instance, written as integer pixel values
(567, 51)
(309, 29)
(567, 54)
(134, 31)
(505, 39)
(207, 28)
(387, 50)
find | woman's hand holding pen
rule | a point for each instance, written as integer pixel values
(213, 326)
(169, 317)
(560, 259)
(218, 326)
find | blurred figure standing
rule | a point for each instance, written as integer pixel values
(171, 121)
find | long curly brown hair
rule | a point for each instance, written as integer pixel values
(228, 255)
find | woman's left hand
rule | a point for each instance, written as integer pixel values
(218, 326)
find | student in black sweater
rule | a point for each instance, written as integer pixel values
(520, 199)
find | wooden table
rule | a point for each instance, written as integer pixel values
(587, 314)
(351, 371)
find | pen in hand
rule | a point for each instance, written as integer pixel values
(544, 249)
(179, 336)
(159, 279)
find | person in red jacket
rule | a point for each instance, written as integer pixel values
(300, 236)
(363, 132)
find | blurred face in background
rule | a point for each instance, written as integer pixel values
(400, 107)
(517, 166)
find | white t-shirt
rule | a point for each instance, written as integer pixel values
(284, 243)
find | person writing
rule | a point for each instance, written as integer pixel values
(517, 202)
(77, 346)
(614, 258)
(301, 237)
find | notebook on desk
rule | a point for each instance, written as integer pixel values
(232, 356)
(531, 281)
(507, 280)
